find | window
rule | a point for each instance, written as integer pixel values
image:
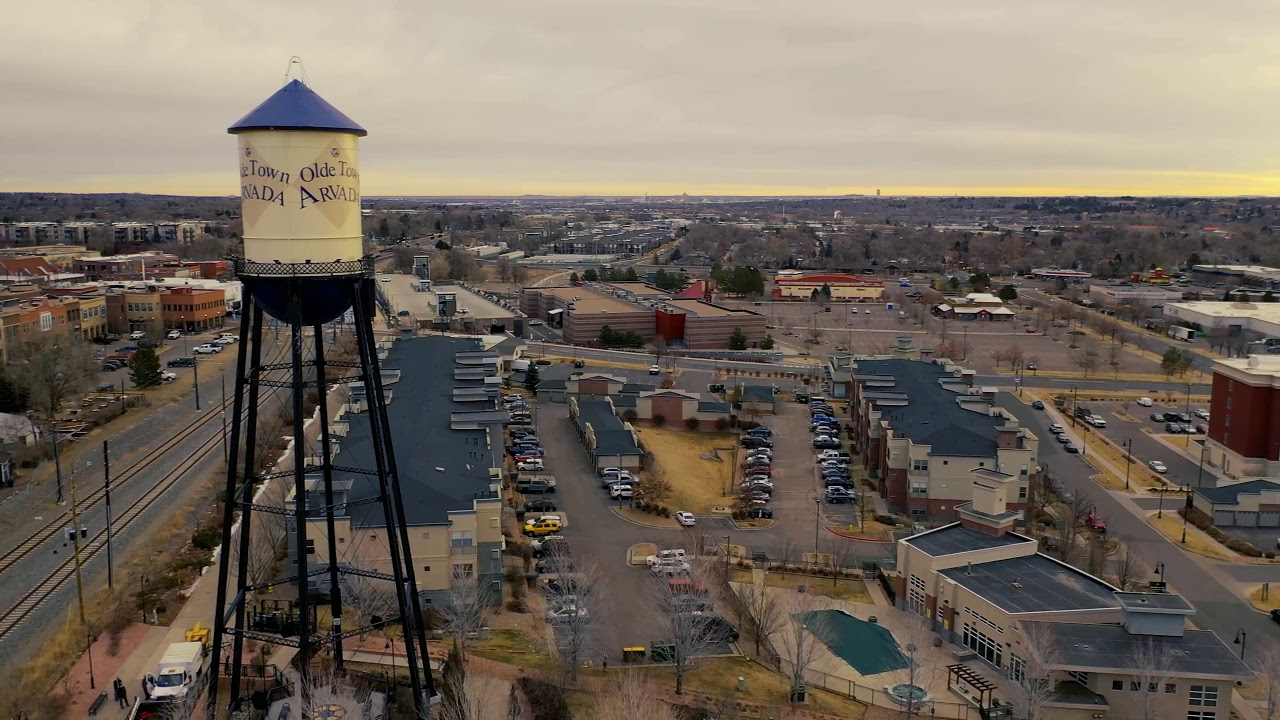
(920, 488)
(1017, 668)
(917, 511)
(1080, 677)
(426, 536)
(1170, 688)
(1135, 686)
(1228, 403)
(1117, 685)
(982, 644)
(1227, 420)
(462, 539)
(982, 463)
(920, 466)
(1022, 493)
(463, 571)
(1203, 696)
(311, 547)
(1201, 715)
(916, 595)
(426, 568)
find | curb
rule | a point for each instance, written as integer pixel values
(743, 528)
(614, 510)
(859, 538)
(1187, 549)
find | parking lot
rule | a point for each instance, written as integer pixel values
(170, 349)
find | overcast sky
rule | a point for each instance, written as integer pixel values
(658, 96)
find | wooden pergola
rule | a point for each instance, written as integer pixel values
(965, 675)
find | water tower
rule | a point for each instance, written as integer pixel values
(304, 265)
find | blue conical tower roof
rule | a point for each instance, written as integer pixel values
(296, 107)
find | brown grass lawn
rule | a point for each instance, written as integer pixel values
(697, 485)
(1140, 476)
(1197, 541)
(1271, 603)
(718, 677)
(515, 647)
(844, 589)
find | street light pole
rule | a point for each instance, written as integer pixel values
(1242, 637)
(89, 651)
(224, 418)
(1075, 404)
(1160, 571)
(106, 495)
(1128, 462)
(1160, 512)
(1186, 511)
(75, 544)
(1200, 473)
(817, 514)
(195, 379)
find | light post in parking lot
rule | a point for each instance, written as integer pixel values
(1128, 461)
(1186, 512)
(1189, 386)
(817, 524)
(1075, 405)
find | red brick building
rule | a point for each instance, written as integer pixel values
(1244, 416)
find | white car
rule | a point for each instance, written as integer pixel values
(675, 555)
(167, 376)
(533, 323)
(670, 567)
(654, 370)
(1097, 421)
(1158, 466)
(1145, 402)
(1201, 413)
(206, 349)
(621, 492)
(174, 335)
(534, 465)
(224, 341)
(686, 519)
(384, 279)
(566, 613)
(137, 335)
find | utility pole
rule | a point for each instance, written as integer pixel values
(57, 460)
(195, 378)
(75, 542)
(224, 418)
(106, 496)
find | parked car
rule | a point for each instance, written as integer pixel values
(530, 465)
(1071, 448)
(534, 486)
(1062, 438)
(622, 491)
(1158, 466)
(685, 518)
(579, 364)
(838, 494)
(167, 377)
(1157, 417)
(224, 341)
(1096, 523)
(760, 513)
(826, 442)
(715, 629)
(137, 335)
(1145, 402)
(539, 506)
(542, 526)
(1055, 428)
(752, 441)
(761, 430)
(675, 554)
(1201, 413)
(1038, 405)
(654, 370)
(835, 455)
(1173, 428)
(566, 613)
(173, 334)
(182, 362)
(206, 349)
(1275, 616)
(1182, 417)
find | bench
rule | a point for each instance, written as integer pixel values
(97, 703)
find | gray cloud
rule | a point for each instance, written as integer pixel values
(703, 95)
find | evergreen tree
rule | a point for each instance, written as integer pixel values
(590, 275)
(531, 378)
(573, 277)
(630, 275)
(738, 340)
(144, 368)
(1008, 293)
(767, 343)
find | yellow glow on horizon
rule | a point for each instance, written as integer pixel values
(1141, 184)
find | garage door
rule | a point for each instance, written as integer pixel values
(1224, 518)
(1269, 519)
(1246, 519)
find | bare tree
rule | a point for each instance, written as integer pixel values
(1086, 360)
(1152, 665)
(1072, 521)
(1269, 673)
(684, 632)
(372, 602)
(1035, 675)
(841, 554)
(1125, 567)
(1016, 355)
(629, 697)
(52, 368)
(915, 637)
(759, 612)
(573, 584)
(268, 534)
(478, 698)
(468, 608)
(325, 687)
(803, 632)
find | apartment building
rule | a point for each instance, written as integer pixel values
(447, 430)
(1244, 416)
(986, 589)
(926, 435)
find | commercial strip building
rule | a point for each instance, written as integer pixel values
(974, 306)
(687, 323)
(447, 432)
(1258, 276)
(1056, 274)
(640, 402)
(987, 589)
(844, 288)
(927, 437)
(155, 309)
(608, 440)
(1244, 416)
(1127, 293)
(1263, 318)
(25, 320)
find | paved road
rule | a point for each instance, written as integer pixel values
(1199, 580)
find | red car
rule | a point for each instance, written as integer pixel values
(1096, 523)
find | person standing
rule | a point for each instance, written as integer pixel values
(122, 697)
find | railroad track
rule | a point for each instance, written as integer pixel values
(90, 547)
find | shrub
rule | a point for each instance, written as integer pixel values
(1269, 555)
(722, 424)
(629, 415)
(665, 511)
(739, 514)
(546, 699)
(886, 519)
(206, 539)
(659, 419)
(692, 423)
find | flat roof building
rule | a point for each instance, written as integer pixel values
(844, 288)
(1244, 416)
(1262, 318)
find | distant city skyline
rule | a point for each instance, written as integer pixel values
(713, 97)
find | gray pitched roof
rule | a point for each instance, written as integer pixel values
(757, 393)
(637, 388)
(932, 414)
(441, 469)
(955, 538)
(714, 406)
(1230, 494)
(1035, 583)
(612, 437)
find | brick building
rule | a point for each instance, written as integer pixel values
(698, 325)
(926, 435)
(844, 288)
(583, 311)
(29, 319)
(1244, 416)
(138, 266)
(132, 310)
(189, 308)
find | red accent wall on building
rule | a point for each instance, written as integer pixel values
(670, 408)
(669, 325)
(896, 487)
(593, 387)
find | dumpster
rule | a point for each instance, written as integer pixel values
(633, 654)
(662, 652)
